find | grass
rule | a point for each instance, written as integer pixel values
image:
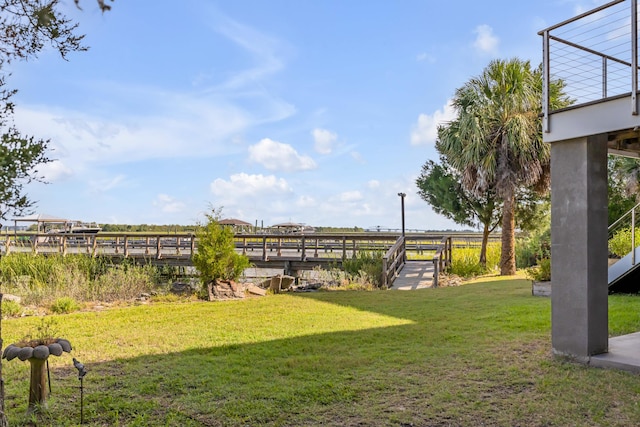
(44, 280)
(472, 355)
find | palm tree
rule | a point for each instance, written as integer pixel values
(496, 140)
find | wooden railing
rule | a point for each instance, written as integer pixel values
(442, 258)
(309, 250)
(111, 244)
(393, 261)
(312, 246)
(396, 257)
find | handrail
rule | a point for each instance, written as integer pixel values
(114, 244)
(584, 57)
(621, 222)
(582, 15)
(393, 261)
(442, 259)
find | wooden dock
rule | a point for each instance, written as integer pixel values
(289, 252)
(415, 275)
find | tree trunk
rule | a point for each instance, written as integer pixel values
(508, 254)
(483, 246)
(3, 416)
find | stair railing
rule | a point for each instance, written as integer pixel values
(628, 220)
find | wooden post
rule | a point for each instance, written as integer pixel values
(38, 386)
(146, 245)
(95, 246)
(264, 248)
(126, 246)
(304, 250)
(344, 248)
(178, 245)
(158, 248)
(385, 273)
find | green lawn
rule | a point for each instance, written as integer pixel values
(473, 355)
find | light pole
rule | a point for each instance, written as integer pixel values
(402, 196)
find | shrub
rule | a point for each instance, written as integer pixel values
(620, 243)
(540, 272)
(533, 248)
(64, 305)
(216, 257)
(11, 309)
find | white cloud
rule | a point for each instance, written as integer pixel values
(486, 41)
(107, 184)
(275, 155)
(135, 122)
(355, 155)
(306, 202)
(324, 140)
(264, 48)
(349, 197)
(176, 126)
(426, 130)
(242, 185)
(54, 171)
(373, 184)
(168, 204)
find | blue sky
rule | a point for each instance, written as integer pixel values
(312, 111)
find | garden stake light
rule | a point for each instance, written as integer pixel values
(82, 371)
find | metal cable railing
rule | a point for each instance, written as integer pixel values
(622, 234)
(595, 55)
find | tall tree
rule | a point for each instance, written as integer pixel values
(495, 141)
(26, 28)
(440, 186)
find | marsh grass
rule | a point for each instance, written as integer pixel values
(465, 261)
(41, 280)
(477, 354)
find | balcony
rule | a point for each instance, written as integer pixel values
(595, 56)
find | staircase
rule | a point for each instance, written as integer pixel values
(624, 274)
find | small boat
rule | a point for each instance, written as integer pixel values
(83, 228)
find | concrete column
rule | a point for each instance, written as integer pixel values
(579, 313)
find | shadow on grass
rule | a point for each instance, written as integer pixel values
(456, 356)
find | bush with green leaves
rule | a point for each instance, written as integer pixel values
(540, 272)
(216, 257)
(64, 305)
(620, 243)
(533, 247)
(11, 309)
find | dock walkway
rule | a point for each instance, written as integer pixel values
(414, 275)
